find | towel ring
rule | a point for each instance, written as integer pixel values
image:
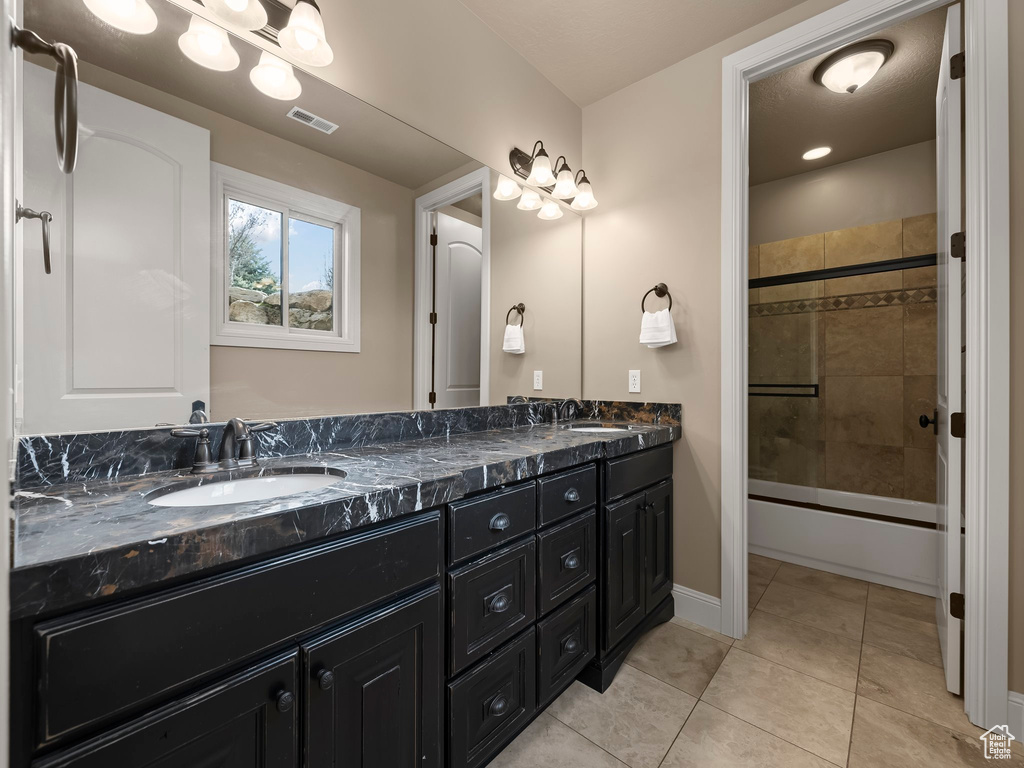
(661, 291)
(520, 308)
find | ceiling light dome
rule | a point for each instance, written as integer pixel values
(507, 189)
(304, 37)
(244, 14)
(850, 68)
(275, 78)
(133, 16)
(530, 201)
(208, 46)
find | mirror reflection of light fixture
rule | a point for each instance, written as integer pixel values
(584, 200)
(530, 201)
(244, 14)
(304, 36)
(275, 78)
(565, 185)
(134, 16)
(208, 46)
(540, 171)
(850, 68)
(817, 153)
(550, 210)
(507, 189)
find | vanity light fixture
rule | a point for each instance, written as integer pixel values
(817, 153)
(507, 189)
(304, 36)
(530, 201)
(275, 78)
(133, 16)
(565, 185)
(850, 68)
(244, 14)
(208, 45)
(584, 200)
(540, 170)
(550, 211)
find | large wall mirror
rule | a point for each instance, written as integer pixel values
(269, 255)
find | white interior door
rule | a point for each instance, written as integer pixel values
(457, 351)
(118, 335)
(948, 469)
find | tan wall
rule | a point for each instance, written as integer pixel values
(890, 185)
(251, 382)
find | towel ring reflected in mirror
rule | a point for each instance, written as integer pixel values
(520, 308)
(661, 291)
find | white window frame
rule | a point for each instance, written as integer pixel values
(296, 203)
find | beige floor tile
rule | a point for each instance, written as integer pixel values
(831, 584)
(884, 737)
(755, 591)
(714, 739)
(548, 743)
(911, 686)
(806, 712)
(814, 609)
(902, 603)
(903, 635)
(702, 630)
(761, 566)
(823, 655)
(636, 719)
(675, 655)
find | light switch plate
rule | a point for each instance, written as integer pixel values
(538, 380)
(634, 381)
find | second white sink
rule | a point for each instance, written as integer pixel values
(245, 489)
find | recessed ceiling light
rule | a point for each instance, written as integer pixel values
(850, 68)
(817, 152)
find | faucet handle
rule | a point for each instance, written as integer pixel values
(188, 432)
(203, 460)
(264, 427)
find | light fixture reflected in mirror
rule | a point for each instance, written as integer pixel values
(244, 14)
(565, 185)
(134, 16)
(304, 36)
(550, 211)
(850, 68)
(208, 46)
(540, 171)
(275, 78)
(507, 189)
(584, 200)
(530, 201)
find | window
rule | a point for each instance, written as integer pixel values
(285, 266)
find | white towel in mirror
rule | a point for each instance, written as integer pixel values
(514, 342)
(657, 329)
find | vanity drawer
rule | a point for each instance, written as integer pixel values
(567, 560)
(490, 600)
(638, 470)
(566, 494)
(491, 702)
(477, 525)
(97, 665)
(566, 642)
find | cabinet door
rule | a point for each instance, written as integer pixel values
(658, 560)
(373, 690)
(248, 721)
(623, 577)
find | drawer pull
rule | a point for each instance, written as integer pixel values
(570, 646)
(572, 495)
(499, 603)
(325, 679)
(284, 700)
(571, 561)
(500, 522)
(498, 706)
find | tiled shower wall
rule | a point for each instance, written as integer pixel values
(869, 342)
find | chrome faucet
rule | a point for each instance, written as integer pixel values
(236, 446)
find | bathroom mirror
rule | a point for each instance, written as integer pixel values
(268, 255)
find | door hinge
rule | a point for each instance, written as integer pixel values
(957, 66)
(433, 238)
(958, 245)
(956, 605)
(433, 318)
(432, 398)
(957, 425)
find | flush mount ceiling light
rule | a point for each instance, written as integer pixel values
(565, 185)
(507, 189)
(550, 210)
(584, 200)
(275, 78)
(304, 37)
(244, 14)
(850, 68)
(208, 46)
(134, 16)
(530, 201)
(817, 153)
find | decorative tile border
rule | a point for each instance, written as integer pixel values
(848, 301)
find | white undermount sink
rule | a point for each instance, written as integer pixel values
(244, 489)
(598, 429)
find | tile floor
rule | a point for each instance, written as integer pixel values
(833, 672)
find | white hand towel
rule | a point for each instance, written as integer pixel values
(514, 342)
(657, 329)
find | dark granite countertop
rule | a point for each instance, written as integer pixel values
(80, 541)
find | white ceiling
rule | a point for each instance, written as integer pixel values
(592, 48)
(790, 113)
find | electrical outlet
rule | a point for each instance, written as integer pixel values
(634, 381)
(538, 380)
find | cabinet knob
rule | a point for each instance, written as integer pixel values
(284, 700)
(572, 561)
(325, 679)
(498, 706)
(500, 522)
(572, 645)
(572, 495)
(499, 603)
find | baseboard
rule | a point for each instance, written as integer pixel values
(698, 607)
(1015, 715)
